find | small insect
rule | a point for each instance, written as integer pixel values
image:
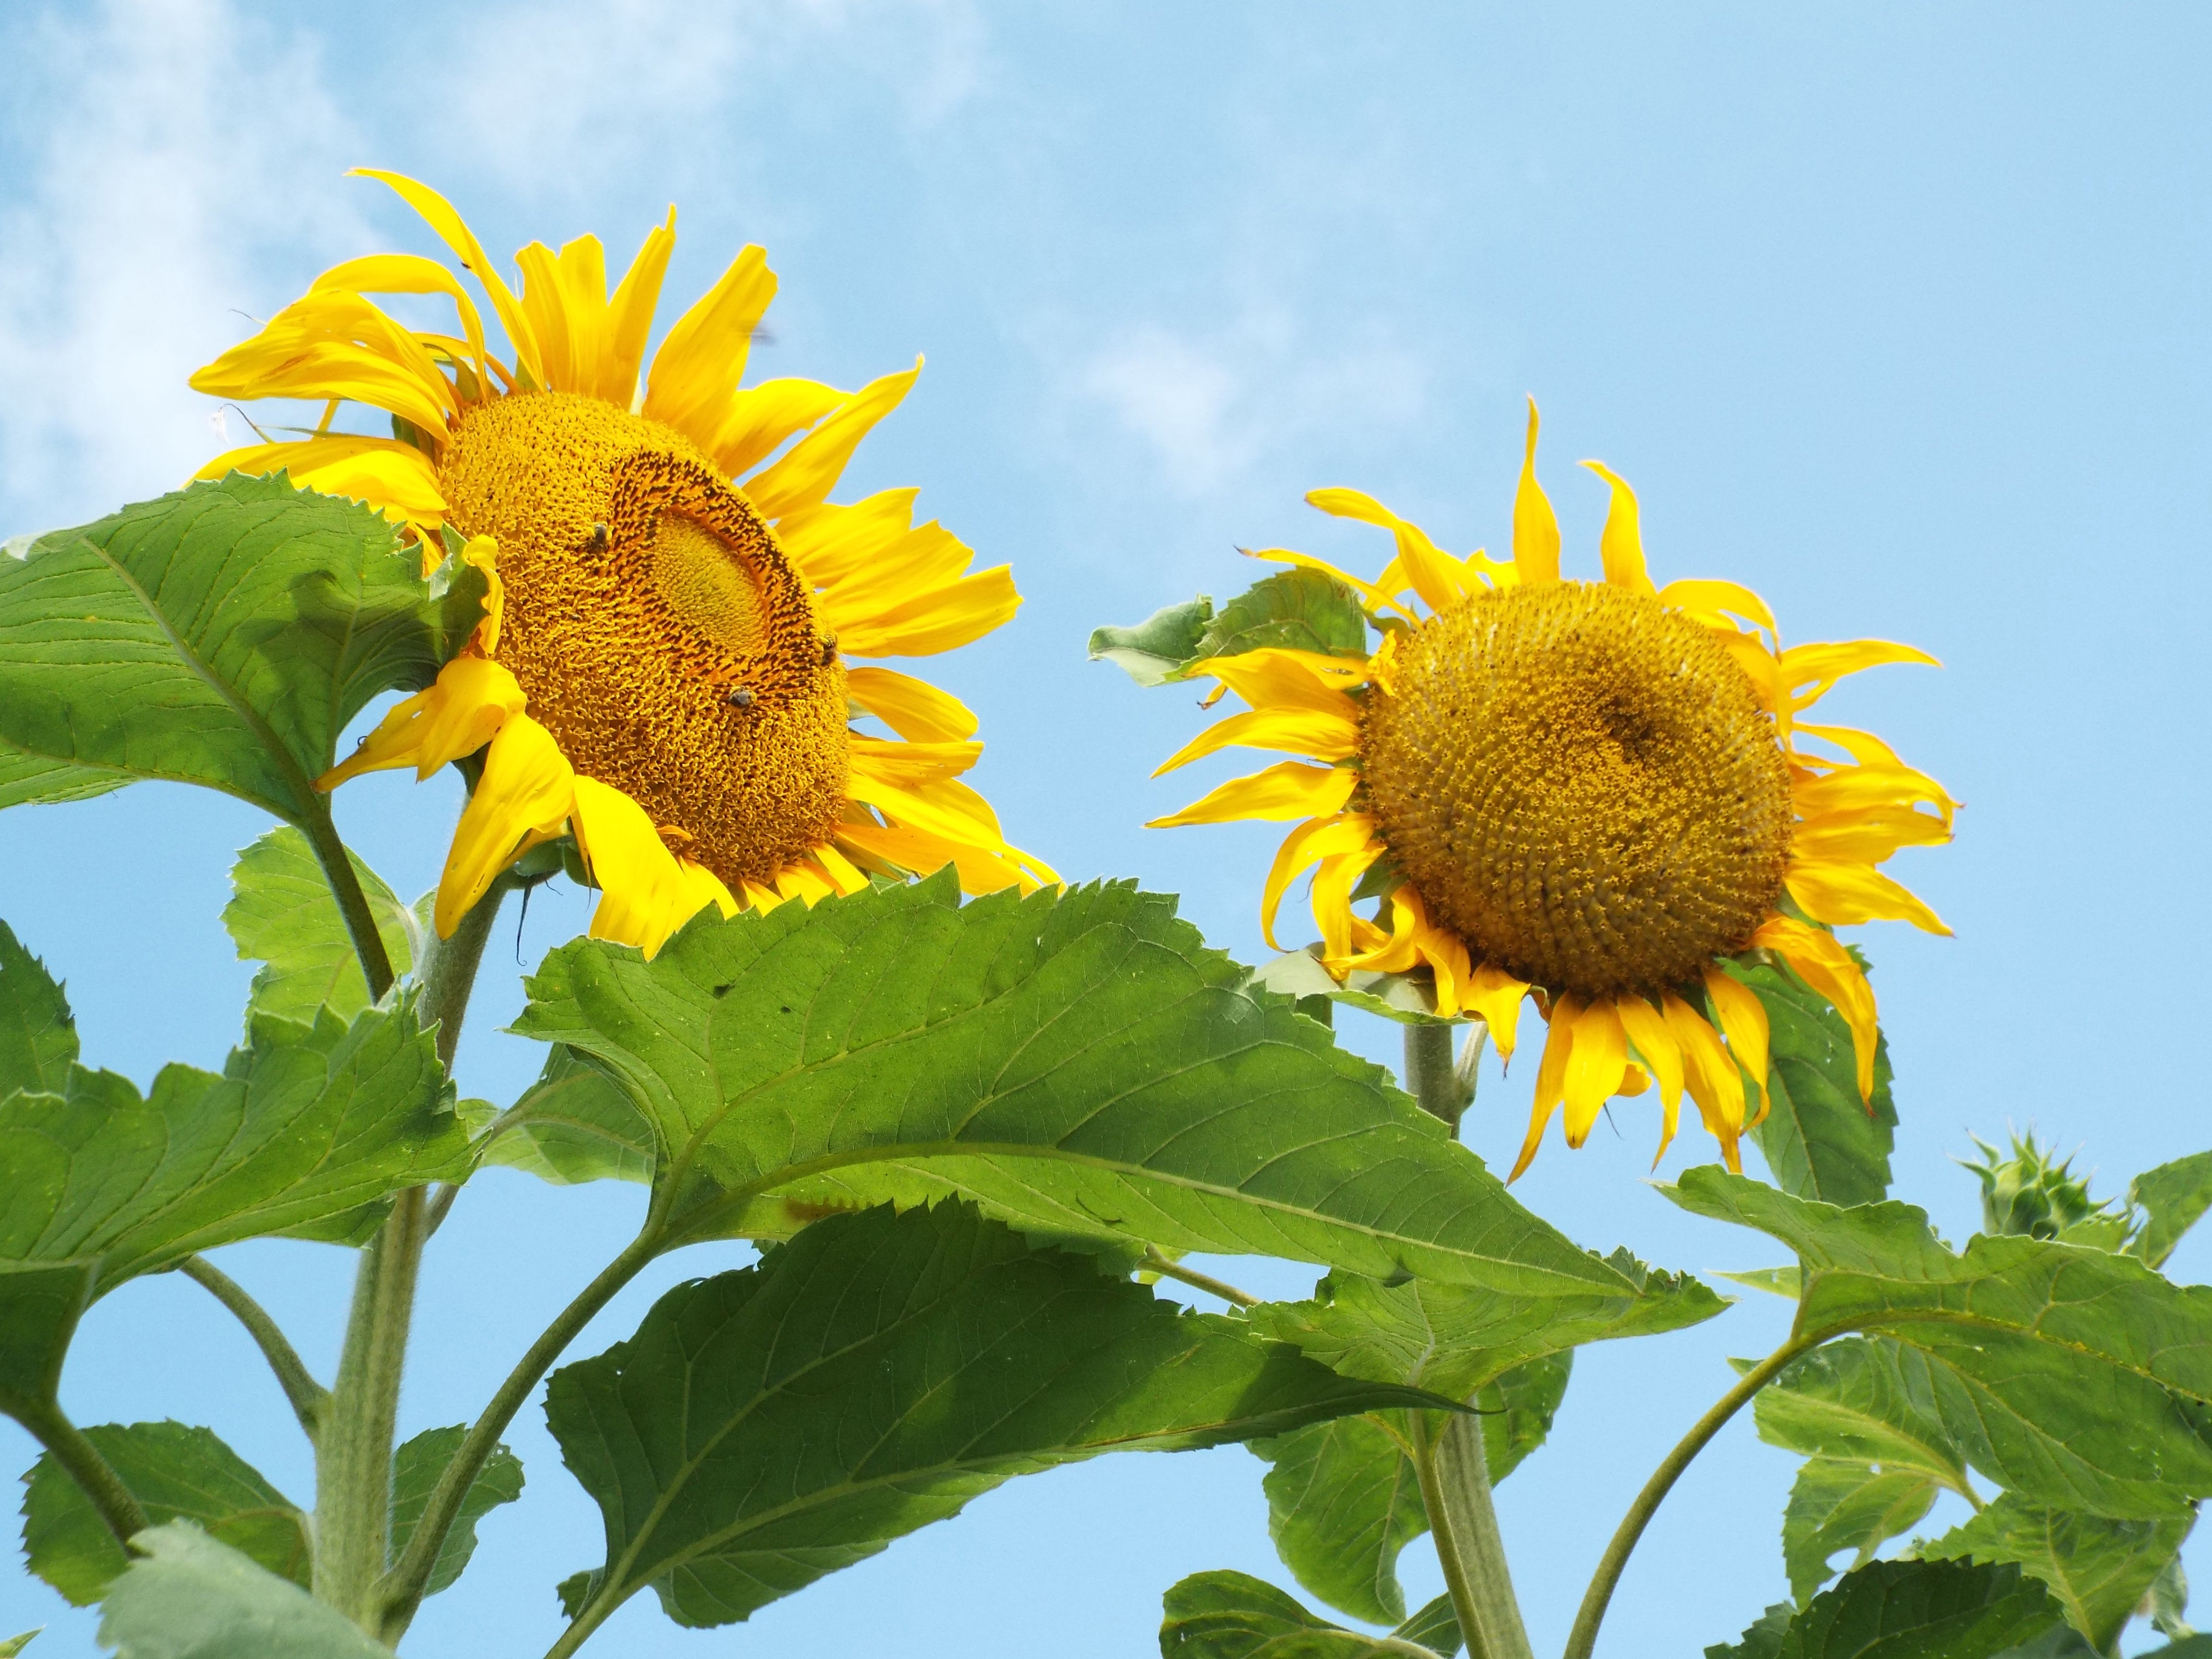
(596, 541)
(741, 697)
(829, 649)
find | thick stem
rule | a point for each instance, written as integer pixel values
(1167, 1267)
(352, 904)
(352, 1452)
(66, 1442)
(401, 1592)
(1455, 1477)
(1431, 1078)
(1583, 1637)
(309, 1397)
(353, 1461)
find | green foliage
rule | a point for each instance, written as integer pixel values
(190, 1597)
(2098, 1569)
(1158, 648)
(2166, 1601)
(767, 1426)
(1835, 1505)
(2031, 1192)
(1406, 998)
(1297, 610)
(177, 1472)
(572, 1125)
(415, 1468)
(1079, 1063)
(1233, 1615)
(305, 1132)
(223, 635)
(282, 915)
(2072, 1377)
(1907, 1610)
(1819, 1139)
(15, 1645)
(2172, 1198)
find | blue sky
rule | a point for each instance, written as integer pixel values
(1898, 313)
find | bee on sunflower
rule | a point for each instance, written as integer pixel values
(1591, 793)
(663, 668)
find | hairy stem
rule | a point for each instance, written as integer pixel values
(1454, 1479)
(1430, 1077)
(1583, 1637)
(401, 1591)
(66, 1442)
(352, 904)
(353, 1461)
(1168, 1268)
(309, 1397)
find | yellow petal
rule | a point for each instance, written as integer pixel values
(1658, 1048)
(915, 709)
(1303, 848)
(700, 363)
(810, 470)
(1374, 597)
(1716, 602)
(832, 542)
(644, 896)
(1711, 1075)
(1332, 895)
(1551, 1079)
(1620, 546)
(395, 478)
(629, 320)
(1824, 965)
(465, 708)
(702, 887)
(953, 616)
(1288, 789)
(1596, 1066)
(1535, 526)
(1300, 730)
(1843, 894)
(1285, 679)
(410, 273)
(1867, 836)
(438, 213)
(758, 419)
(482, 553)
(1496, 996)
(524, 797)
(1820, 666)
(1433, 573)
(1853, 788)
(843, 876)
(1743, 1018)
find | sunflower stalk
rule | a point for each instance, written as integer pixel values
(355, 1425)
(352, 904)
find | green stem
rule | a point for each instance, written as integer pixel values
(1431, 1078)
(352, 904)
(1167, 1267)
(357, 1423)
(66, 1442)
(1583, 1637)
(401, 1591)
(1454, 1479)
(309, 1397)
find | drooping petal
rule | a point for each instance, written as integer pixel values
(471, 700)
(1620, 546)
(1743, 1018)
(1711, 1074)
(1551, 1079)
(1496, 996)
(1658, 1048)
(1596, 1066)
(1286, 790)
(644, 896)
(1535, 526)
(396, 479)
(410, 273)
(702, 887)
(524, 796)
(1823, 964)
(1303, 849)
(1713, 603)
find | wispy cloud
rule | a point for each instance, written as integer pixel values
(165, 158)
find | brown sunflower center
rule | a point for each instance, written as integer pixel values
(656, 626)
(1581, 784)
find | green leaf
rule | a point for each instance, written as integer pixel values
(38, 1034)
(1819, 1137)
(1080, 1063)
(1784, 1282)
(1157, 649)
(281, 914)
(1407, 998)
(1762, 1641)
(2098, 1569)
(177, 1472)
(1837, 1506)
(1453, 1341)
(2189, 1647)
(415, 1468)
(1518, 1406)
(1343, 1500)
(2166, 1601)
(2173, 1198)
(1866, 1401)
(303, 1132)
(1435, 1627)
(190, 1597)
(1233, 1615)
(1920, 1610)
(2074, 1377)
(768, 1426)
(223, 635)
(574, 1125)
(1296, 610)
(15, 1645)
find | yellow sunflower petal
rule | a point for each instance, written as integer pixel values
(1332, 883)
(1496, 996)
(565, 297)
(1374, 597)
(1620, 544)
(1433, 573)
(1288, 789)
(629, 320)
(438, 213)
(1843, 894)
(700, 363)
(644, 896)
(1743, 1018)
(842, 874)
(1867, 836)
(525, 795)
(1711, 1075)
(1285, 679)
(1301, 730)
(810, 470)
(482, 553)
(1715, 602)
(471, 700)
(1659, 1049)
(1823, 964)
(410, 273)
(915, 709)
(1446, 954)
(702, 887)
(1596, 1065)
(1535, 526)
(396, 479)
(1850, 788)
(1551, 1079)
(1303, 849)
(956, 615)
(832, 542)
(1820, 665)
(758, 419)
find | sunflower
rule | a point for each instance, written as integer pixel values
(1594, 792)
(663, 668)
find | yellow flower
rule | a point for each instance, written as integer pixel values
(1594, 792)
(662, 669)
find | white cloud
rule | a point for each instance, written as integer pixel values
(163, 152)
